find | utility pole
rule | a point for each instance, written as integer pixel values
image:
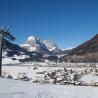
(1, 44)
(4, 33)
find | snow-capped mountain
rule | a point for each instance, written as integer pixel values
(35, 44)
(50, 45)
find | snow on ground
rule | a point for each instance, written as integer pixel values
(89, 78)
(9, 61)
(20, 89)
(29, 70)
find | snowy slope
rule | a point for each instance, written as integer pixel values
(33, 49)
(20, 89)
(15, 53)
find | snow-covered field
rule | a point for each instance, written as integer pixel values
(13, 70)
(29, 70)
(20, 89)
(89, 78)
(42, 74)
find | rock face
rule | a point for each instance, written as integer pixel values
(52, 47)
(35, 44)
(86, 52)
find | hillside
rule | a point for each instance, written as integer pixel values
(15, 52)
(33, 49)
(90, 46)
(86, 52)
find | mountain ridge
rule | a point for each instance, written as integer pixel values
(35, 44)
(85, 52)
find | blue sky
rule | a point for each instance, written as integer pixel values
(67, 22)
